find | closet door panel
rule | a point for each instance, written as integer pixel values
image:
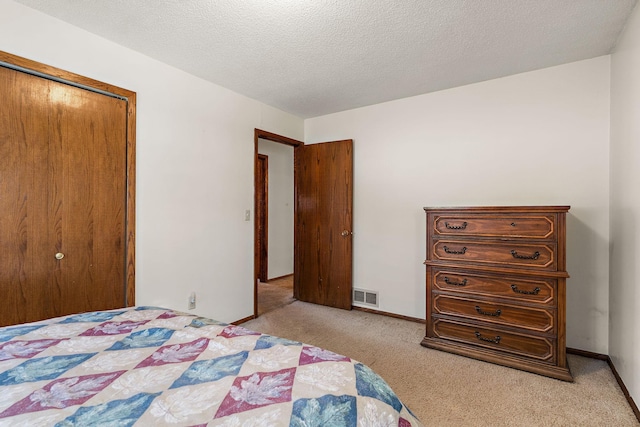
(63, 201)
(26, 261)
(88, 130)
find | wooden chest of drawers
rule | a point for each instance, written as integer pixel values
(496, 285)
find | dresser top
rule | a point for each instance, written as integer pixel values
(523, 209)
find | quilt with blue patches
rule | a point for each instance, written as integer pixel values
(150, 366)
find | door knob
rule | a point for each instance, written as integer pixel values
(345, 233)
(59, 255)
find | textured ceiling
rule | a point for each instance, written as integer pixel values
(314, 57)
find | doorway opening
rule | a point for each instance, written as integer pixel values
(273, 221)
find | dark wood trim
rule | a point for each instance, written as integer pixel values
(384, 313)
(263, 134)
(588, 354)
(130, 221)
(63, 74)
(241, 321)
(270, 136)
(131, 201)
(262, 217)
(607, 359)
(624, 389)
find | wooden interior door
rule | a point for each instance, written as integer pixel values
(63, 203)
(323, 223)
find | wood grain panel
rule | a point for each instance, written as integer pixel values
(307, 256)
(69, 189)
(511, 255)
(508, 226)
(90, 129)
(324, 204)
(130, 143)
(534, 347)
(27, 260)
(517, 289)
(530, 318)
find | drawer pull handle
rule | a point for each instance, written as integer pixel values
(456, 227)
(518, 291)
(496, 313)
(451, 282)
(535, 255)
(495, 340)
(454, 252)
(513, 224)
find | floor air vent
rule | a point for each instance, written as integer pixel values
(361, 296)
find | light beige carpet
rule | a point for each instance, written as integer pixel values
(448, 390)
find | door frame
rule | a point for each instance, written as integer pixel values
(262, 217)
(263, 134)
(53, 73)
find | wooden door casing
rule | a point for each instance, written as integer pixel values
(262, 216)
(323, 223)
(67, 187)
(269, 136)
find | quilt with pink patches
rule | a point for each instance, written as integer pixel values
(147, 366)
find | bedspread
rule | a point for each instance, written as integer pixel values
(153, 366)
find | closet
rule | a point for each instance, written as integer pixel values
(66, 196)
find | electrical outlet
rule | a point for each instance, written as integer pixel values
(192, 301)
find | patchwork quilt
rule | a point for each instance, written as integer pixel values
(149, 366)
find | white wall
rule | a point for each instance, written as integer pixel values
(194, 164)
(538, 138)
(280, 218)
(624, 341)
(534, 138)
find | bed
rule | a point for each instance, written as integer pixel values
(154, 366)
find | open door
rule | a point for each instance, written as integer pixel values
(323, 223)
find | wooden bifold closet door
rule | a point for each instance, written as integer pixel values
(63, 199)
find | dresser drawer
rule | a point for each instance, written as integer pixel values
(526, 290)
(530, 318)
(505, 254)
(492, 225)
(539, 348)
